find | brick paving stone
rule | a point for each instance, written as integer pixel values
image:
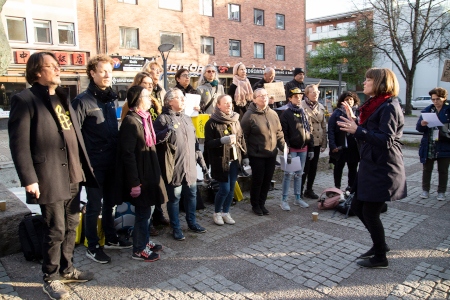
(7, 290)
(414, 192)
(445, 245)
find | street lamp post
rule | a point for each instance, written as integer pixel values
(340, 78)
(162, 49)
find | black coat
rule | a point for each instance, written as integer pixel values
(218, 153)
(38, 147)
(138, 164)
(381, 174)
(295, 134)
(337, 138)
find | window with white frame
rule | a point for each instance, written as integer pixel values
(279, 21)
(66, 33)
(308, 31)
(170, 4)
(129, 38)
(42, 32)
(206, 7)
(17, 29)
(258, 17)
(172, 38)
(234, 12)
(128, 1)
(258, 50)
(308, 48)
(207, 45)
(235, 48)
(280, 53)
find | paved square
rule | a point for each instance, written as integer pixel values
(313, 259)
(425, 282)
(396, 222)
(444, 246)
(414, 192)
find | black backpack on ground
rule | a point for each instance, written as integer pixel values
(31, 236)
(344, 207)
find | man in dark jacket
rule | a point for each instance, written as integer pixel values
(297, 82)
(96, 112)
(268, 77)
(49, 154)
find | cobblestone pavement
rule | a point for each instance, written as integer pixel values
(281, 256)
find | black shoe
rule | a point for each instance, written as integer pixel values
(264, 210)
(118, 244)
(374, 263)
(310, 194)
(161, 221)
(371, 252)
(197, 228)
(257, 210)
(98, 255)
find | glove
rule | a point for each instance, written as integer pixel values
(135, 191)
(228, 139)
(245, 162)
(289, 159)
(310, 155)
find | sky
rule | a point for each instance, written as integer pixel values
(320, 8)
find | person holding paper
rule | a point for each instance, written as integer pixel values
(263, 135)
(300, 143)
(225, 142)
(381, 176)
(435, 143)
(183, 82)
(209, 88)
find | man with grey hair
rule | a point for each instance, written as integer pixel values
(268, 77)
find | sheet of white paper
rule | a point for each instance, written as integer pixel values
(432, 119)
(294, 166)
(192, 100)
(285, 154)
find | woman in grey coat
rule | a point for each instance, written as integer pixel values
(209, 89)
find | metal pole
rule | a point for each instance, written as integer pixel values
(340, 79)
(165, 70)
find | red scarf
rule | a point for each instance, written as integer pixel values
(367, 109)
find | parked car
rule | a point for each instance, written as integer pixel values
(421, 102)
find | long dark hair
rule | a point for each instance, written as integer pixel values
(348, 94)
(34, 65)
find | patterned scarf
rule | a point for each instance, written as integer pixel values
(149, 133)
(244, 92)
(221, 117)
(312, 105)
(299, 110)
(367, 109)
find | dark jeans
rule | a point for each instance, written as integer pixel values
(311, 170)
(94, 206)
(62, 219)
(224, 196)
(339, 168)
(443, 164)
(140, 231)
(190, 203)
(369, 214)
(262, 172)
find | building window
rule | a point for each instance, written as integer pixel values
(280, 53)
(66, 33)
(170, 4)
(258, 50)
(129, 38)
(128, 1)
(42, 32)
(173, 38)
(234, 12)
(206, 7)
(207, 46)
(279, 21)
(17, 30)
(258, 16)
(308, 48)
(235, 48)
(308, 31)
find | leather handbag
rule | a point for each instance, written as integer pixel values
(329, 198)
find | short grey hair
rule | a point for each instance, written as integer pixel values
(268, 69)
(257, 91)
(170, 94)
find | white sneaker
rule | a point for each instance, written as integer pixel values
(217, 217)
(425, 195)
(285, 205)
(227, 218)
(441, 196)
(301, 203)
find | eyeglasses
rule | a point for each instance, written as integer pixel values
(52, 66)
(315, 92)
(210, 71)
(263, 95)
(185, 75)
(155, 69)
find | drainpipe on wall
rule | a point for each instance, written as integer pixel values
(97, 25)
(104, 27)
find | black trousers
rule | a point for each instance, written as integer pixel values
(311, 170)
(369, 214)
(262, 172)
(62, 219)
(339, 168)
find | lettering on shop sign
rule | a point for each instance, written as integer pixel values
(446, 71)
(78, 59)
(192, 68)
(62, 58)
(22, 56)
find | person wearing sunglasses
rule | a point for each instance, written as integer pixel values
(183, 80)
(209, 89)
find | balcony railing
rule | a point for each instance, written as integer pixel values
(333, 34)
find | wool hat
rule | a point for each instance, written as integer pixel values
(133, 95)
(297, 71)
(235, 68)
(295, 91)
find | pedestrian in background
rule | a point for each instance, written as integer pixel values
(155, 69)
(240, 90)
(297, 82)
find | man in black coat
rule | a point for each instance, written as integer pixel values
(49, 154)
(297, 82)
(96, 112)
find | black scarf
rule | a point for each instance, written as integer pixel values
(299, 110)
(105, 96)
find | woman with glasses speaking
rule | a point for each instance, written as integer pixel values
(209, 89)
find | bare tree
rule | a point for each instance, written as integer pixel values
(408, 32)
(5, 49)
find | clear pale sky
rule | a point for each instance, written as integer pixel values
(320, 8)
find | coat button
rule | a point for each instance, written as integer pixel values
(63, 148)
(64, 165)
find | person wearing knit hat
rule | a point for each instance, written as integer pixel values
(297, 82)
(240, 90)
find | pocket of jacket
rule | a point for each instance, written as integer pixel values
(38, 159)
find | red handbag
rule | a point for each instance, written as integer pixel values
(329, 198)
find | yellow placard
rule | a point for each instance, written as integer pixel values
(237, 192)
(199, 124)
(276, 89)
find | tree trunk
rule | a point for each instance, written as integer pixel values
(409, 87)
(5, 49)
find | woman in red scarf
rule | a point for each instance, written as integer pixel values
(381, 175)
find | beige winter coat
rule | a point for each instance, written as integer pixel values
(318, 124)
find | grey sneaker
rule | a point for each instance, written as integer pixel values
(285, 205)
(55, 289)
(301, 203)
(425, 195)
(441, 196)
(77, 276)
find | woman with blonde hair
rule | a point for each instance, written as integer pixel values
(240, 90)
(155, 69)
(209, 88)
(381, 176)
